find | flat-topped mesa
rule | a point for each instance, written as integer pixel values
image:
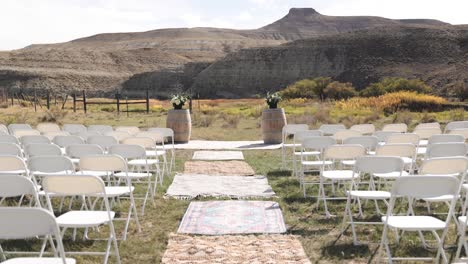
(298, 12)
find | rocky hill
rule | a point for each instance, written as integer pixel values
(136, 61)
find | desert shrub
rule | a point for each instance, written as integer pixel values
(461, 91)
(457, 114)
(392, 102)
(108, 108)
(338, 90)
(231, 121)
(54, 115)
(203, 120)
(391, 85)
(322, 116)
(427, 117)
(307, 88)
(4, 105)
(404, 116)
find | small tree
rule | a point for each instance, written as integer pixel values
(336, 90)
(390, 85)
(321, 84)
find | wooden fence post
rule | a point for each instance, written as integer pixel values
(84, 100)
(117, 97)
(74, 102)
(35, 100)
(48, 99)
(147, 101)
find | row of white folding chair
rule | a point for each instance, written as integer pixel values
(456, 125)
(29, 222)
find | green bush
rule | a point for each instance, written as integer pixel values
(320, 88)
(338, 91)
(391, 85)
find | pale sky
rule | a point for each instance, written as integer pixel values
(25, 22)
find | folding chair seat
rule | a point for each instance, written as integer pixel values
(368, 165)
(103, 141)
(286, 132)
(10, 149)
(75, 152)
(9, 139)
(331, 129)
(139, 172)
(399, 128)
(131, 130)
(34, 139)
(111, 164)
(413, 188)
(365, 129)
(33, 150)
(13, 127)
(425, 133)
(27, 223)
(89, 187)
(335, 174)
(48, 127)
(406, 151)
(101, 129)
(74, 129)
(342, 135)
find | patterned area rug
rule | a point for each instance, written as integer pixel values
(232, 217)
(228, 168)
(218, 155)
(189, 186)
(183, 249)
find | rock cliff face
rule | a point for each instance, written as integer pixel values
(437, 56)
(156, 59)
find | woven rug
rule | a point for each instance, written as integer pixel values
(218, 155)
(189, 186)
(227, 168)
(227, 145)
(232, 217)
(184, 249)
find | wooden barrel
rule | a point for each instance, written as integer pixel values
(179, 120)
(273, 121)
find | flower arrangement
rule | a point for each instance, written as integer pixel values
(178, 100)
(273, 99)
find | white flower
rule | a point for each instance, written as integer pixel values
(177, 101)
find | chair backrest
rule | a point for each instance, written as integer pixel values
(460, 131)
(165, 131)
(13, 127)
(421, 186)
(51, 164)
(74, 129)
(145, 142)
(10, 149)
(12, 163)
(444, 166)
(403, 138)
(156, 136)
(132, 130)
(9, 139)
(103, 163)
(300, 135)
(318, 143)
(456, 125)
(331, 129)
(291, 129)
(368, 142)
(365, 129)
(64, 141)
(102, 129)
(29, 132)
(14, 186)
(78, 151)
(47, 127)
(34, 139)
(21, 223)
(378, 164)
(128, 151)
(76, 185)
(427, 125)
(51, 135)
(446, 150)
(344, 152)
(446, 138)
(103, 141)
(33, 150)
(86, 134)
(399, 128)
(425, 133)
(398, 150)
(383, 135)
(119, 135)
(4, 129)
(342, 135)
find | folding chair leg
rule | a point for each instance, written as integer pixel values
(440, 248)
(461, 241)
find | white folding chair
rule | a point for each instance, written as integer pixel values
(405, 151)
(297, 142)
(50, 165)
(65, 141)
(4, 130)
(34, 139)
(28, 132)
(89, 187)
(103, 141)
(310, 163)
(368, 165)
(459, 131)
(446, 138)
(425, 133)
(74, 129)
(342, 135)
(419, 187)
(86, 134)
(14, 186)
(9, 139)
(13, 127)
(10, 149)
(13, 165)
(119, 135)
(446, 150)
(27, 223)
(101, 129)
(399, 128)
(47, 127)
(159, 148)
(456, 125)
(365, 129)
(403, 138)
(370, 143)
(132, 130)
(111, 164)
(33, 150)
(383, 135)
(427, 125)
(331, 129)
(286, 132)
(52, 134)
(75, 152)
(330, 175)
(139, 167)
(168, 134)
